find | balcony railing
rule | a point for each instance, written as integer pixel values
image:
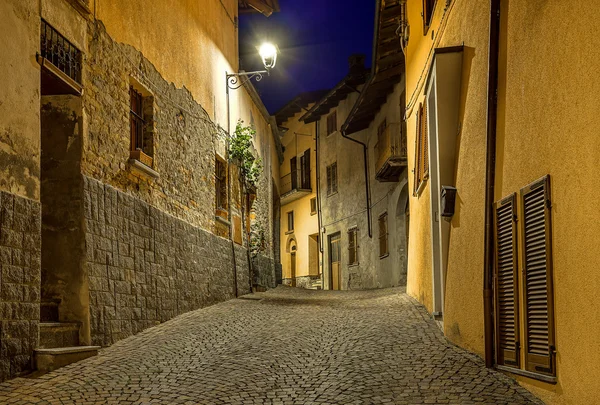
(390, 152)
(296, 181)
(60, 52)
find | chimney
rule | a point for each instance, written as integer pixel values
(357, 63)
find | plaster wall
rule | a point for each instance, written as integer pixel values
(297, 139)
(547, 115)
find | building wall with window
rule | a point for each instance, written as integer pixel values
(299, 138)
(542, 80)
(130, 232)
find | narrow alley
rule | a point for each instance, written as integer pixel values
(285, 346)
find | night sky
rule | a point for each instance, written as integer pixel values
(315, 39)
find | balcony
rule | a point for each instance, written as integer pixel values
(390, 153)
(295, 185)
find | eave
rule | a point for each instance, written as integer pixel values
(265, 7)
(299, 103)
(388, 68)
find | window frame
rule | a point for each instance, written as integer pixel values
(290, 223)
(421, 168)
(313, 201)
(332, 123)
(332, 179)
(353, 245)
(383, 219)
(221, 188)
(427, 14)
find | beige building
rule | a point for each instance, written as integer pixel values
(300, 244)
(500, 105)
(362, 182)
(119, 206)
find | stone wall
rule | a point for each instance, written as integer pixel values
(20, 261)
(264, 271)
(146, 266)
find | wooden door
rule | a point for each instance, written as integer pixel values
(293, 268)
(335, 252)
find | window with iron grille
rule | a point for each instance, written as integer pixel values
(332, 182)
(332, 123)
(141, 120)
(221, 186)
(352, 246)
(56, 49)
(383, 235)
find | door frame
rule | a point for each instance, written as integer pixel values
(337, 235)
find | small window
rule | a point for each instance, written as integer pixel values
(221, 187)
(332, 182)
(141, 123)
(353, 246)
(290, 216)
(428, 7)
(421, 171)
(383, 235)
(332, 123)
(313, 206)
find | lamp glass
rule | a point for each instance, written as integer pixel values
(268, 53)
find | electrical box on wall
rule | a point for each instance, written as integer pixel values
(447, 201)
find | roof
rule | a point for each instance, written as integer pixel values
(357, 76)
(266, 7)
(297, 104)
(388, 68)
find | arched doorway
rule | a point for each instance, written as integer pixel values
(291, 249)
(402, 232)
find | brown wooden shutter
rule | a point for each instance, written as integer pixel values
(418, 151)
(537, 276)
(294, 172)
(506, 282)
(352, 246)
(425, 144)
(306, 170)
(329, 180)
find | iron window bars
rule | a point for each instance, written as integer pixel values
(60, 52)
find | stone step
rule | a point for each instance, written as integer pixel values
(58, 334)
(49, 310)
(50, 359)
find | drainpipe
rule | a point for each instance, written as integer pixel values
(490, 174)
(319, 217)
(366, 169)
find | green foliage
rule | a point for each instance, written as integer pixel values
(239, 153)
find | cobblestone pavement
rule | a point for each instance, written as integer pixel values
(290, 347)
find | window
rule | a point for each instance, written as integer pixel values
(421, 170)
(332, 183)
(141, 111)
(353, 246)
(61, 53)
(221, 187)
(538, 303)
(428, 7)
(305, 170)
(290, 216)
(332, 123)
(383, 235)
(313, 206)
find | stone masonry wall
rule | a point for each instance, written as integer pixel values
(20, 262)
(146, 266)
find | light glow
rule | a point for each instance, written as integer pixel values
(268, 53)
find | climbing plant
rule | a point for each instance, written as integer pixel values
(240, 153)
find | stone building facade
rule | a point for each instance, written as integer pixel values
(98, 235)
(363, 213)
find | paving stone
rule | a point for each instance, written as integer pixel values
(293, 346)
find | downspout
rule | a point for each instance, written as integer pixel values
(490, 175)
(366, 169)
(319, 217)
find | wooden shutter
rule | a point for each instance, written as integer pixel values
(306, 170)
(329, 180)
(506, 282)
(537, 276)
(425, 145)
(419, 164)
(294, 171)
(334, 178)
(383, 236)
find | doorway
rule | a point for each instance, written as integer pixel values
(293, 267)
(335, 253)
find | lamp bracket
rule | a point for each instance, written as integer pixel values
(237, 80)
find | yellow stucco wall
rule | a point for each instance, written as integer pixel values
(305, 224)
(546, 115)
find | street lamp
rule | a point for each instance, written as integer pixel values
(268, 53)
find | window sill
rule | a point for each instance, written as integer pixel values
(332, 194)
(384, 256)
(289, 232)
(313, 213)
(353, 265)
(141, 167)
(222, 220)
(528, 374)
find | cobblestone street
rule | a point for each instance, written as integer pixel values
(286, 346)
